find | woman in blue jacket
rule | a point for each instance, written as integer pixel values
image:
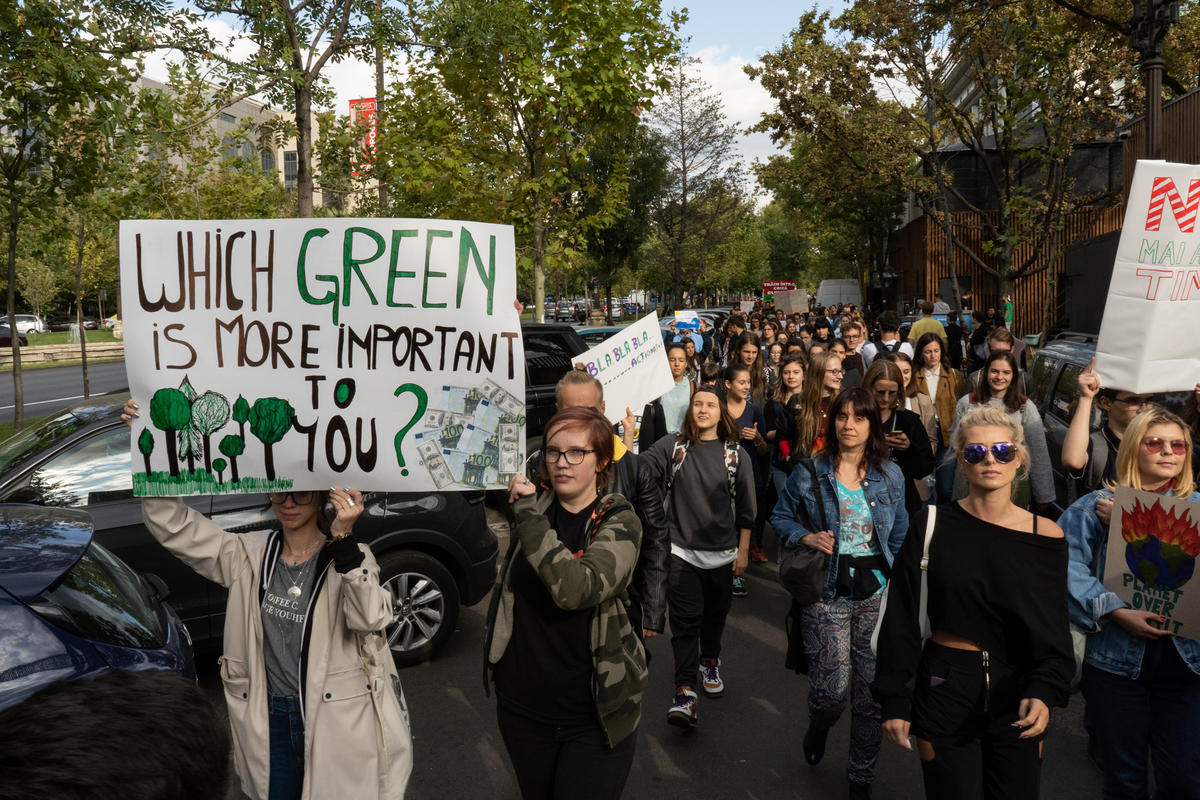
(859, 492)
(1142, 684)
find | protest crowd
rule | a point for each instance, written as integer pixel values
(936, 596)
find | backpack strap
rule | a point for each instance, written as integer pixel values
(731, 467)
(678, 453)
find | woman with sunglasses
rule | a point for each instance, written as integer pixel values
(301, 599)
(976, 696)
(999, 387)
(568, 668)
(858, 492)
(1142, 684)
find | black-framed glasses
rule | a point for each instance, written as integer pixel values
(574, 455)
(1154, 444)
(1003, 452)
(299, 498)
(1139, 402)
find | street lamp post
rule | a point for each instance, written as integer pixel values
(1151, 19)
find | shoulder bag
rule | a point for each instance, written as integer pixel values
(923, 612)
(802, 568)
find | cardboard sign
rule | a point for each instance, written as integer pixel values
(1152, 315)
(687, 319)
(632, 367)
(747, 306)
(381, 354)
(1153, 541)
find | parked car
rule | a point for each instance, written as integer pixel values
(63, 322)
(550, 350)
(71, 609)
(30, 323)
(435, 549)
(6, 337)
(571, 310)
(597, 334)
(1054, 388)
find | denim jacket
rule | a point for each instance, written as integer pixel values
(884, 493)
(1109, 647)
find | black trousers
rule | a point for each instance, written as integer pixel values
(571, 762)
(976, 749)
(699, 600)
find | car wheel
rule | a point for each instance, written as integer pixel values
(425, 604)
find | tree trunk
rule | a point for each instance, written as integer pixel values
(539, 273)
(304, 167)
(207, 455)
(269, 461)
(14, 210)
(146, 456)
(172, 459)
(233, 473)
(79, 240)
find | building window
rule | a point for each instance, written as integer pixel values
(225, 117)
(290, 167)
(268, 161)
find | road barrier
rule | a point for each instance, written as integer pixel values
(51, 353)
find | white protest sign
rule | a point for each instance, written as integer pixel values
(381, 354)
(632, 367)
(1153, 541)
(747, 306)
(1151, 326)
(686, 319)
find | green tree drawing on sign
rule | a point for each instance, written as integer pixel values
(219, 465)
(232, 446)
(210, 411)
(241, 413)
(270, 419)
(146, 445)
(170, 412)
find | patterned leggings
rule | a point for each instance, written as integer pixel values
(837, 638)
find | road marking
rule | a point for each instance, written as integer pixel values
(43, 402)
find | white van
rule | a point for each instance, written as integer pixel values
(841, 290)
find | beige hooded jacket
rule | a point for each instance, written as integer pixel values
(348, 751)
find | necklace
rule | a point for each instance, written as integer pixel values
(295, 579)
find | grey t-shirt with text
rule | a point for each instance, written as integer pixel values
(283, 625)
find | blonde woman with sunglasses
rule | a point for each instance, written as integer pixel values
(975, 698)
(302, 599)
(1142, 684)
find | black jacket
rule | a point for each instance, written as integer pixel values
(918, 460)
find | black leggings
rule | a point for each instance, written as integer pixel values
(976, 749)
(559, 762)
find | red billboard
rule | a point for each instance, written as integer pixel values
(771, 287)
(362, 113)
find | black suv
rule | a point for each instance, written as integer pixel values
(550, 350)
(435, 549)
(1054, 388)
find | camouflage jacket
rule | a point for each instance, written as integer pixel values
(597, 580)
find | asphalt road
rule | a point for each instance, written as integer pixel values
(747, 744)
(48, 389)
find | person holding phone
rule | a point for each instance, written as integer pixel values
(301, 601)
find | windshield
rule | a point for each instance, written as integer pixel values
(29, 441)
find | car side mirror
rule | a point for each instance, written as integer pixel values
(26, 494)
(158, 587)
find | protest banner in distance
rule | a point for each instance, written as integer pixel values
(747, 306)
(687, 319)
(382, 354)
(1153, 541)
(774, 287)
(1152, 315)
(792, 301)
(632, 367)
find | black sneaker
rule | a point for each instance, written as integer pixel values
(739, 587)
(814, 745)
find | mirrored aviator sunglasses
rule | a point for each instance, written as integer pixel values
(1003, 452)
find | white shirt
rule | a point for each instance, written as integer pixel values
(675, 404)
(932, 377)
(873, 350)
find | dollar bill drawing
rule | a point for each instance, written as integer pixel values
(435, 463)
(510, 447)
(434, 418)
(501, 397)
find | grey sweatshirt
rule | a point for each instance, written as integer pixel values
(699, 516)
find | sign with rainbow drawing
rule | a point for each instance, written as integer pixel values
(271, 354)
(1153, 542)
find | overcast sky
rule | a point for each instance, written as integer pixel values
(724, 35)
